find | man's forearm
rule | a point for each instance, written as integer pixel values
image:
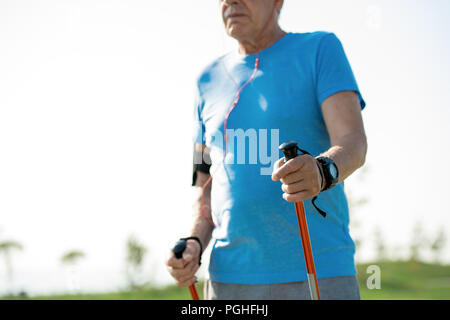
(202, 227)
(348, 153)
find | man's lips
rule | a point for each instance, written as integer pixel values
(235, 16)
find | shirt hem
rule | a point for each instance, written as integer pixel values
(330, 264)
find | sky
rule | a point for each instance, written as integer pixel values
(96, 98)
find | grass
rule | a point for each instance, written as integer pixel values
(407, 280)
(167, 293)
(399, 280)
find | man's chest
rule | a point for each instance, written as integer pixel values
(278, 97)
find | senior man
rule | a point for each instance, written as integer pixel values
(278, 86)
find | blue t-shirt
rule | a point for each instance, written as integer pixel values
(256, 236)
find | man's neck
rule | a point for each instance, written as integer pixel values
(260, 42)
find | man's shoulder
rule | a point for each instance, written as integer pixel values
(205, 73)
(307, 45)
(313, 37)
(210, 71)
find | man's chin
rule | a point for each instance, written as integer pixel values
(237, 32)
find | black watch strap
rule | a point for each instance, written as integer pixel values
(201, 247)
(322, 180)
(325, 163)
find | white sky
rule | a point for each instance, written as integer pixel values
(93, 91)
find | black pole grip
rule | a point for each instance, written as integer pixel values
(289, 149)
(179, 248)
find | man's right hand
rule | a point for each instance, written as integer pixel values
(183, 270)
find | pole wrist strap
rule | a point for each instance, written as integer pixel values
(201, 247)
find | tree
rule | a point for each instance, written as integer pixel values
(380, 246)
(72, 257)
(418, 241)
(438, 244)
(71, 260)
(355, 203)
(134, 261)
(6, 247)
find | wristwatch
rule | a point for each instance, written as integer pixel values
(330, 172)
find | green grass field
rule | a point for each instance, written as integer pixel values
(407, 280)
(399, 280)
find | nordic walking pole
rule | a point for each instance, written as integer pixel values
(290, 151)
(178, 250)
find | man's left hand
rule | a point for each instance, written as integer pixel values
(300, 177)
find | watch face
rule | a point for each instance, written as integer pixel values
(333, 171)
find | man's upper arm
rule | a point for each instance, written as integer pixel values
(202, 164)
(342, 115)
(336, 89)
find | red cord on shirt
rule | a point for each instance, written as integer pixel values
(233, 105)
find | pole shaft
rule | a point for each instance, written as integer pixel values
(307, 251)
(194, 293)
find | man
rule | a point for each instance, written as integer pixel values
(290, 86)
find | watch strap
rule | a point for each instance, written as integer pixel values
(326, 162)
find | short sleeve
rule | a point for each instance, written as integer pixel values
(199, 127)
(333, 70)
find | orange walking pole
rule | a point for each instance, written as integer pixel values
(178, 250)
(290, 151)
(307, 251)
(194, 293)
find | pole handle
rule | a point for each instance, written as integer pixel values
(289, 150)
(178, 250)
